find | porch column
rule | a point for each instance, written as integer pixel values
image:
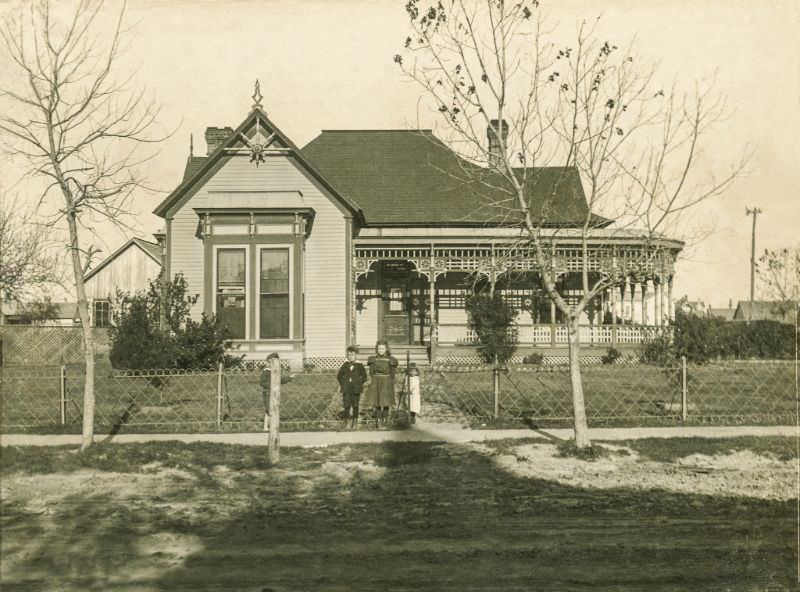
(616, 309)
(614, 297)
(646, 293)
(432, 313)
(627, 305)
(659, 318)
(670, 302)
(636, 302)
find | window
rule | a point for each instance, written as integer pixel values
(274, 294)
(230, 291)
(396, 298)
(102, 313)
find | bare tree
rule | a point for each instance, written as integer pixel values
(29, 261)
(585, 105)
(779, 275)
(77, 128)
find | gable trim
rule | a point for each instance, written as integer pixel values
(225, 150)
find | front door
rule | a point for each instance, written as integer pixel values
(396, 323)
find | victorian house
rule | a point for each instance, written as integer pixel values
(374, 234)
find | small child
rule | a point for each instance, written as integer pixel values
(414, 400)
(351, 377)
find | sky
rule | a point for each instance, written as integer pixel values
(328, 65)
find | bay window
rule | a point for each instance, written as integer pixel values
(231, 296)
(274, 294)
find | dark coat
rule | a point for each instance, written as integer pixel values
(351, 377)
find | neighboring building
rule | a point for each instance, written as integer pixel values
(65, 315)
(130, 269)
(369, 234)
(723, 313)
(764, 310)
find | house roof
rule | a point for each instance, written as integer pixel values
(764, 310)
(152, 250)
(410, 177)
(193, 164)
(724, 313)
(197, 166)
(62, 310)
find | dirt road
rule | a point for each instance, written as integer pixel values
(395, 516)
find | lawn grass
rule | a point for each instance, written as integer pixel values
(671, 449)
(426, 517)
(728, 393)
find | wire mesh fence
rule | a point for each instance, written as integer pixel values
(49, 399)
(759, 392)
(33, 346)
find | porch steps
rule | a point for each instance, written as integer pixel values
(417, 354)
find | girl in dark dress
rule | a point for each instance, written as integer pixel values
(381, 388)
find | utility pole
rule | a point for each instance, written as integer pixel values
(755, 212)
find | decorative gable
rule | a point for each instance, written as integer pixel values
(258, 139)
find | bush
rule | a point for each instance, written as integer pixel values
(492, 319)
(536, 359)
(659, 351)
(145, 336)
(701, 339)
(611, 356)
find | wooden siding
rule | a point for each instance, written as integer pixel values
(367, 320)
(325, 260)
(130, 271)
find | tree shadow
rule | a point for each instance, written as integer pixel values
(406, 516)
(446, 517)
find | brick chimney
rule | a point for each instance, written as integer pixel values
(216, 136)
(496, 132)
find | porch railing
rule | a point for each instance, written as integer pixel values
(557, 335)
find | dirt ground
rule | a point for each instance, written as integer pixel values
(511, 515)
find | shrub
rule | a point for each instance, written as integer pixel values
(154, 330)
(492, 319)
(536, 359)
(611, 356)
(701, 339)
(659, 350)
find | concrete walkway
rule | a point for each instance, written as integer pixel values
(421, 432)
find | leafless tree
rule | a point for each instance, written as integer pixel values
(77, 126)
(585, 104)
(779, 277)
(29, 260)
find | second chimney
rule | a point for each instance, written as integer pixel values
(497, 133)
(216, 136)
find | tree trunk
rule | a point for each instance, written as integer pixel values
(576, 381)
(87, 431)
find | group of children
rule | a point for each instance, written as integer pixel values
(377, 386)
(379, 395)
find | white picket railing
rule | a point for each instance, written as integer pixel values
(544, 335)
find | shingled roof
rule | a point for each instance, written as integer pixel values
(193, 164)
(410, 177)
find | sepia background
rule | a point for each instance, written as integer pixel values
(328, 65)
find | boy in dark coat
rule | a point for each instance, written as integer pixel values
(351, 376)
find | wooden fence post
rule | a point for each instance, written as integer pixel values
(273, 439)
(495, 391)
(684, 390)
(62, 389)
(219, 395)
